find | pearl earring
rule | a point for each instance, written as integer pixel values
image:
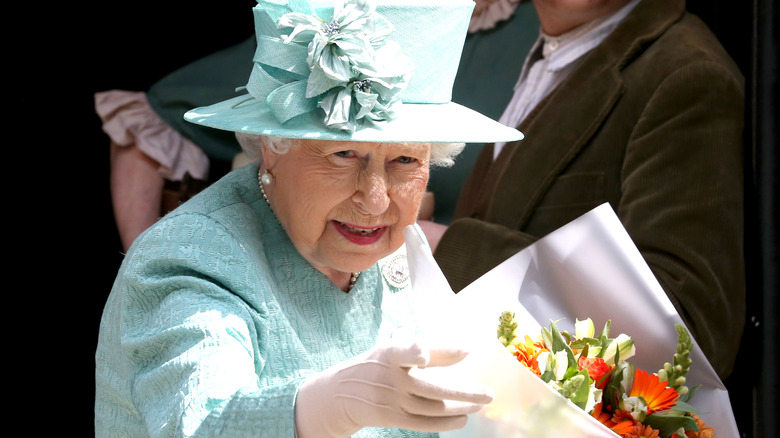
(266, 178)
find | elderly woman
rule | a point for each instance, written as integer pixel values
(277, 302)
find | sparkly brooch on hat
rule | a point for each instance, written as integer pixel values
(353, 72)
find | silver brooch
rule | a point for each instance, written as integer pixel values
(396, 271)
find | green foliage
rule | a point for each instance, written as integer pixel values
(582, 394)
(674, 373)
(507, 327)
(560, 344)
(669, 421)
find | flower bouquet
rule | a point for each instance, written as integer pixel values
(571, 272)
(594, 373)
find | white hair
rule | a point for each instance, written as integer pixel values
(442, 154)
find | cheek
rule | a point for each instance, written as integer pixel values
(306, 207)
(408, 196)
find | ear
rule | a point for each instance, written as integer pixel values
(270, 157)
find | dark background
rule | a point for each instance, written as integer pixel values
(65, 256)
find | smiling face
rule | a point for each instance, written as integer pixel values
(345, 204)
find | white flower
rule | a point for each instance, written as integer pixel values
(584, 329)
(624, 344)
(635, 406)
(557, 362)
(594, 398)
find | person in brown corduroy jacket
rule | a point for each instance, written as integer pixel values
(650, 121)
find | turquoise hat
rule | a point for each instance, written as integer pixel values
(356, 70)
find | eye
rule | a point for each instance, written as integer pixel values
(345, 154)
(404, 159)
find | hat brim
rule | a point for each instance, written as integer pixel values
(415, 123)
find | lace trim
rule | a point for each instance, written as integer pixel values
(488, 13)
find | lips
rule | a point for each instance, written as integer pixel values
(360, 235)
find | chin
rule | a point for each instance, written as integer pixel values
(357, 262)
(363, 263)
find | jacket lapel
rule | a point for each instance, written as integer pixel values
(555, 134)
(564, 123)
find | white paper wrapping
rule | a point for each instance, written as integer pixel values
(589, 268)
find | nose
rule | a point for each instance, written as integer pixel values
(372, 195)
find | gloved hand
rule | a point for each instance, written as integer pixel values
(386, 387)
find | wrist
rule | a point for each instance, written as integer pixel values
(319, 414)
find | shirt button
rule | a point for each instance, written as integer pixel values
(552, 45)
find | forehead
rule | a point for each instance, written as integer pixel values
(329, 146)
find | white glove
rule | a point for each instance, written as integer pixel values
(385, 387)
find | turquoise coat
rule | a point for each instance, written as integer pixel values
(215, 320)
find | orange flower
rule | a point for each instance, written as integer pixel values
(704, 431)
(527, 353)
(597, 369)
(621, 415)
(642, 431)
(655, 393)
(619, 427)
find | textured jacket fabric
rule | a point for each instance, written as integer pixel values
(215, 320)
(651, 121)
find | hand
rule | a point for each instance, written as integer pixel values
(385, 387)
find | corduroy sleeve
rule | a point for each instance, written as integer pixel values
(682, 201)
